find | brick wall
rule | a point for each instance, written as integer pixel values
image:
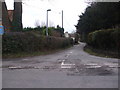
(17, 17)
(5, 19)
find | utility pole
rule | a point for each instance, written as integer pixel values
(62, 18)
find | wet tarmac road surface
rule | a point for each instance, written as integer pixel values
(71, 68)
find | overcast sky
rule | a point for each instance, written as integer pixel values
(34, 12)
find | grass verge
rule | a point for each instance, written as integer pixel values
(101, 53)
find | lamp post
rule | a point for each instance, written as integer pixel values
(62, 19)
(47, 23)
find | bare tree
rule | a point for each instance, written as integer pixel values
(37, 23)
(51, 24)
(43, 24)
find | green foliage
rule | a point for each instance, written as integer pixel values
(60, 30)
(31, 42)
(105, 39)
(37, 30)
(28, 29)
(42, 30)
(77, 36)
(100, 15)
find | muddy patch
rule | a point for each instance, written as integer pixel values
(49, 68)
(25, 61)
(91, 69)
(90, 72)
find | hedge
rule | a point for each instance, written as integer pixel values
(16, 42)
(105, 39)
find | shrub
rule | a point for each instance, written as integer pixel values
(16, 42)
(105, 39)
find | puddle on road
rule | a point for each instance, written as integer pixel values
(91, 73)
(91, 69)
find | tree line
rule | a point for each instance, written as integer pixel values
(98, 15)
(52, 31)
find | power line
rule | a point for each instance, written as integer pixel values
(68, 24)
(32, 6)
(43, 10)
(56, 9)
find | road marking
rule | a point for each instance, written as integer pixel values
(92, 65)
(14, 67)
(66, 65)
(112, 65)
(25, 59)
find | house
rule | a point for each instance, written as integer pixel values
(66, 35)
(12, 18)
(5, 19)
(10, 14)
(72, 36)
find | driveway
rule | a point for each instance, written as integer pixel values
(70, 68)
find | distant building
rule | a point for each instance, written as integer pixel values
(72, 36)
(66, 35)
(10, 14)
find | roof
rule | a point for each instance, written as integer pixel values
(10, 14)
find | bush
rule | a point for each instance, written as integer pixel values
(52, 31)
(16, 42)
(105, 39)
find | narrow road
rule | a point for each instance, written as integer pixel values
(71, 68)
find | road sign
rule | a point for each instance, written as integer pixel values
(1, 30)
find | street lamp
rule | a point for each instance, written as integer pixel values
(47, 23)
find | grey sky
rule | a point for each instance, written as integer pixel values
(34, 11)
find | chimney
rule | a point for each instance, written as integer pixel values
(17, 16)
(10, 14)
